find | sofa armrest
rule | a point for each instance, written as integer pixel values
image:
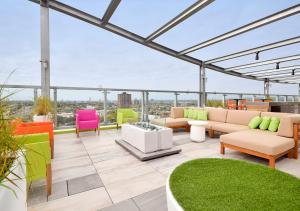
(296, 139)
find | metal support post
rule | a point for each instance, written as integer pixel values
(143, 107)
(146, 106)
(35, 94)
(176, 99)
(202, 86)
(45, 48)
(105, 106)
(224, 100)
(266, 88)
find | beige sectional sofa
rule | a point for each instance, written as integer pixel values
(238, 136)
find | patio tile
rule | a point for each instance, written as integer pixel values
(117, 163)
(127, 205)
(83, 184)
(85, 201)
(126, 189)
(59, 190)
(126, 173)
(152, 200)
(37, 195)
(73, 172)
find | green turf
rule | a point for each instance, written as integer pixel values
(225, 184)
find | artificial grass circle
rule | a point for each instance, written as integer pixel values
(225, 184)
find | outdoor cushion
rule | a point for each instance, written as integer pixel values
(170, 122)
(264, 142)
(216, 114)
(186, 113)
(202, 115)
(229, 128)
(265, 123)
(191, 113)
(211, 124)
(255, 122)
(195, 114)
(177, 112)
(274, 124)
(241, 117)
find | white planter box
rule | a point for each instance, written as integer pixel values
(145, 140)
(41, 118)
(8, 200)
(171, 201)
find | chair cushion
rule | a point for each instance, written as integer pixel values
(259, 141)
(88, 124)
(86, 114)
(202, 115)
(241, 117)
(229, 128)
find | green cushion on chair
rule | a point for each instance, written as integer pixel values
(265, 123)
(274, 124)
(195, 114)
(202, 115)
(185, 113)
(255, 122)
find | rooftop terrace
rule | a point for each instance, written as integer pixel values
(94, 173)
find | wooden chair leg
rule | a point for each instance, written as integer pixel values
(98, 131)
(77, 133)
(290, 154)
(211, 133)
(222, 148)
(272, 163)
(52, 152)
(49, 179)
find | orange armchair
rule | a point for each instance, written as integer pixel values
(24, 128)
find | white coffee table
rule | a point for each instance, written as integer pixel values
(197, 133)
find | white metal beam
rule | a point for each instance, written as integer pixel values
(266, 62)
(269, 71)
(259, 49)
(200, 4)
(259, 23)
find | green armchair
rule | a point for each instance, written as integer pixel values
(38, 158)
(125, 115)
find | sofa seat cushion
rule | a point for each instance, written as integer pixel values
(211, 124)
(263, 142)
(229, 128)
(171, 122)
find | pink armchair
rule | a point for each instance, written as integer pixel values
(87, 119)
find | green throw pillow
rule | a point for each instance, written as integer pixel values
(255, 122)
(191, 114)
(195, 114)
(265, 123)
(202, 115)
(274, 124)
(186, 113)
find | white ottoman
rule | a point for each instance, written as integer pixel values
(197, 133)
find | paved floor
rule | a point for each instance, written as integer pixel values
(94, 173)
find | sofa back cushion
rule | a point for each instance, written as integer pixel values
(177, 112)
(217, 114)
(241, 117)
(286, 122)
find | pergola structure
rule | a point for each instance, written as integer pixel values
(288, 74)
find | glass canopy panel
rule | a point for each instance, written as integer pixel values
(218, 18)
(144, 17)
(93, 7)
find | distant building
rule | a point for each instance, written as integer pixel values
(124, 100)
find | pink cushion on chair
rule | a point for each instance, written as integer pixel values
(87, 119)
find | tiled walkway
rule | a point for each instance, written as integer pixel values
(93, 173)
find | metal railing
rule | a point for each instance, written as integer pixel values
(144, 106)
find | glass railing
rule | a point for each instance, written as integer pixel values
(157, 104)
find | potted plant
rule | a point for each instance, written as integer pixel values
(43, 109)
(12, 163)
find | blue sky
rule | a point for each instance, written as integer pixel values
(84, 55)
